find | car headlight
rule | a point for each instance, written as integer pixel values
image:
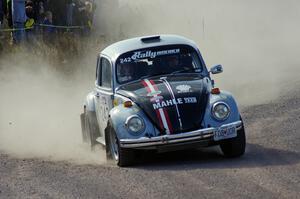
(220, 111)
(135, 124)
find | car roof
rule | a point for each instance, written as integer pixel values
(115, 50)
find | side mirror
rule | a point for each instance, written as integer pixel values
(216, 69)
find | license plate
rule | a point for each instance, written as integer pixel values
(225, 133)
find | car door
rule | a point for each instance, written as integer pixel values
(104, 94)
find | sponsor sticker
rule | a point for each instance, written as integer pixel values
(172, 102)
(148, 54)
(183, 89)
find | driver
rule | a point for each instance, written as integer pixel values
(126, 72)
(173, 63)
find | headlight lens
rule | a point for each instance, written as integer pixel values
(135, 124)
(220, 111)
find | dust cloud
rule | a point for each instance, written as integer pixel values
(40, 107)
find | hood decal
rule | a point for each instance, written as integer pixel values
(161, 113)
(174, 100)
(174, 103)
(183, 89)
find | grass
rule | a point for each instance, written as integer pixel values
(62, 51)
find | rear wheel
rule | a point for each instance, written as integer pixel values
(121, 156)
(235, 147)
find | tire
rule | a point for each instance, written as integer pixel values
(91, 129)
(235, 147)
(121, 156)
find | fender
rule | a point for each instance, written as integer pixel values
(226, 97)
(89, 103)
(118, 116)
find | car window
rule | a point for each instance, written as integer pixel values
(155, 61)
(105, 80)
(98, 71)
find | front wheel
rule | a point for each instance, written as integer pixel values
(235, 147)
(121, 156)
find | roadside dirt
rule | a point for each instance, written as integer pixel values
(269, 169)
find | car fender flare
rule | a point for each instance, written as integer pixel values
(118, 116)
(89, 103)
(226, 97)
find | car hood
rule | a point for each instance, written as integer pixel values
(174, 103)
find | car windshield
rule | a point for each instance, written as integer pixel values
(161, 60)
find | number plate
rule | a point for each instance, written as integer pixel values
(225, 133)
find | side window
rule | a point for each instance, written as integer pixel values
(105, 80)
(98, 71)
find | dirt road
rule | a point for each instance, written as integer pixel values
(269, 169)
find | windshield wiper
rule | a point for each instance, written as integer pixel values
(151, 75)
(184, 70)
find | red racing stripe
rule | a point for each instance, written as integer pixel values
(154, 85)
(157, 111)
(168, 121)
(159, 119)
(164, 110)
(146, 86)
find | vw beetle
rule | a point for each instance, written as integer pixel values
(155, 93)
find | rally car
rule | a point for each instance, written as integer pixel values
(155, 93)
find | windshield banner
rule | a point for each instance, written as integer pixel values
(148, 54)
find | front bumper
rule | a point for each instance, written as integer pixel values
(182, 138)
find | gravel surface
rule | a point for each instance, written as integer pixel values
(269, 169)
